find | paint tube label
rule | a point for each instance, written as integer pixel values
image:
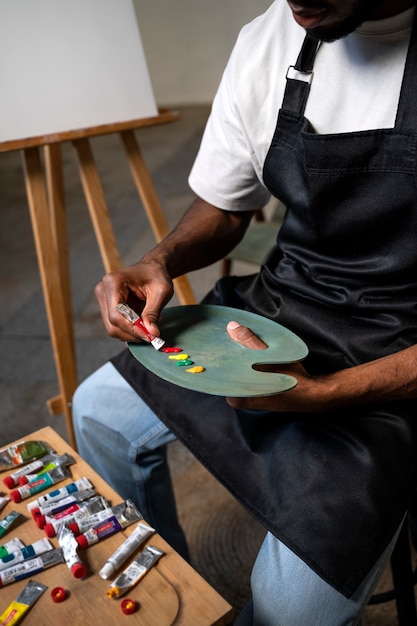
(11, 480)
(121, 516)
(30, 567)
(52, 508)
(27, 552)
(139, 534)
(58, 494)
(43, 481)
(8, 521)
(21, 605)
(91, 509)
(22, 452)
(134, 572)
(11, 546)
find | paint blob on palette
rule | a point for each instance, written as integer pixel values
(182, 360)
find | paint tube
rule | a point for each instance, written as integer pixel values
(125, 550)
(11, 546)
(69, 547)
(134, 572)
(7, 521)
(21, 453)
(27, 552)
(31, 566)
(3, 501)
(96, 506)
(42, 514)
(43, 481)
(12, 480)
(121, 516)
(50, 462)
(24, 601)
(58, 494)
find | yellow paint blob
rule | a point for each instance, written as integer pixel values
(178, 357)
(196, 370)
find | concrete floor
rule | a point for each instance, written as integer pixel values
(223, 538)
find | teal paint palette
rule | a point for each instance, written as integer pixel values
(200, 330)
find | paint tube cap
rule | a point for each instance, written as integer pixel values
(49, 530)
(82, 541)
(107, 570)
(9, 482)
(34, 510)
(128, 606)
(78, 570)
(23, 480)
(40, 520)
(15, 496)
(73, 526)
(58, 594)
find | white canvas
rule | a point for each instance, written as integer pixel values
(70, 64)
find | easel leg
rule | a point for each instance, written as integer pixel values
(152, 205)
(49, 267)
(97, 206)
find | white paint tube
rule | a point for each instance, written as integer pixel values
(31, 566)
(11, 546)
(125, 550)
(69, 549)
(43, 481)
(55, 507)
(27, 552)
(134, 572)
(58, 494)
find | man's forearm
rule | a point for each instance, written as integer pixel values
(389, 378)
(203, 236)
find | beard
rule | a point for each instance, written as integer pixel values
(360, 12)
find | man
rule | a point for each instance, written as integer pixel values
(328, 467)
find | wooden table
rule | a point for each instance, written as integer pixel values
(171, 593)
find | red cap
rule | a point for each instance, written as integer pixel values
(35, 512)
(15, 496)
(128, 606)
(9, 482)
(74, 527)
(82, 541)
(40, 520)
(58, 594)
(23, 480)
(78, 570)
(49, 530)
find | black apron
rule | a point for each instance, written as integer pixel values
(334, 486)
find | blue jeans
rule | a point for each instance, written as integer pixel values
(125, 442)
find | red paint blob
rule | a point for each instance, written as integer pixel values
(171, 350)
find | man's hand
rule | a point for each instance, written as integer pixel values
(304, 397)
(146, 287)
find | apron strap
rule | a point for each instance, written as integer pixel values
(299, 77)
(407, 106)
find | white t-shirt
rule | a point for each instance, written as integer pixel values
(355, 87)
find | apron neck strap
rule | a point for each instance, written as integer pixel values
(299, 77)
(407, 105)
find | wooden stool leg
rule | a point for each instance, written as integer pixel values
(53, 289)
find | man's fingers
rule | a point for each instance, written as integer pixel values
(245, 336)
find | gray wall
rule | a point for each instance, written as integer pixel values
(187, 44)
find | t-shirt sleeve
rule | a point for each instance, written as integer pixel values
(223, 172)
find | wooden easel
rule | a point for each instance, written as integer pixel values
(45, 194)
